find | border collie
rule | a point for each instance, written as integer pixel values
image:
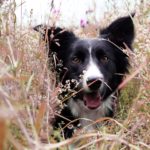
(97, 65)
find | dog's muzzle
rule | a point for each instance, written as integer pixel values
(94, 84)
(92, 99)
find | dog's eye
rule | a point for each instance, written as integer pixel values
(76, 60)
(104, 59)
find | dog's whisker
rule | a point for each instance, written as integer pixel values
(107, 85)
(119, 74)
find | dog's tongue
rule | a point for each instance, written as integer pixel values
(92, 101)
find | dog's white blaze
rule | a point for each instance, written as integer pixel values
(92, 71)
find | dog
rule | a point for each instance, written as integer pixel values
(92, 67)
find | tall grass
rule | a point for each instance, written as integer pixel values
(29, 90)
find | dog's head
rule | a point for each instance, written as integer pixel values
(97, 64)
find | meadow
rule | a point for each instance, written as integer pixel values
(29, 90)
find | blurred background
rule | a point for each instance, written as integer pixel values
(70, 11)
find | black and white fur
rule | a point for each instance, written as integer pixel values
(97, 64)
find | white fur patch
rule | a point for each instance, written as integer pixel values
(79, 110)
(92, 71)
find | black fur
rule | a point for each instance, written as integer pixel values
(106, 54)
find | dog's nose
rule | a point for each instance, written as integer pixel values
(94, 83)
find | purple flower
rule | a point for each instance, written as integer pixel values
(56, 11)
(83, 23)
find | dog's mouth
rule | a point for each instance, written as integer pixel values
(92, 100)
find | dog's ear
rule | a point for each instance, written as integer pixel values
(120, 32)
(56, 38)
